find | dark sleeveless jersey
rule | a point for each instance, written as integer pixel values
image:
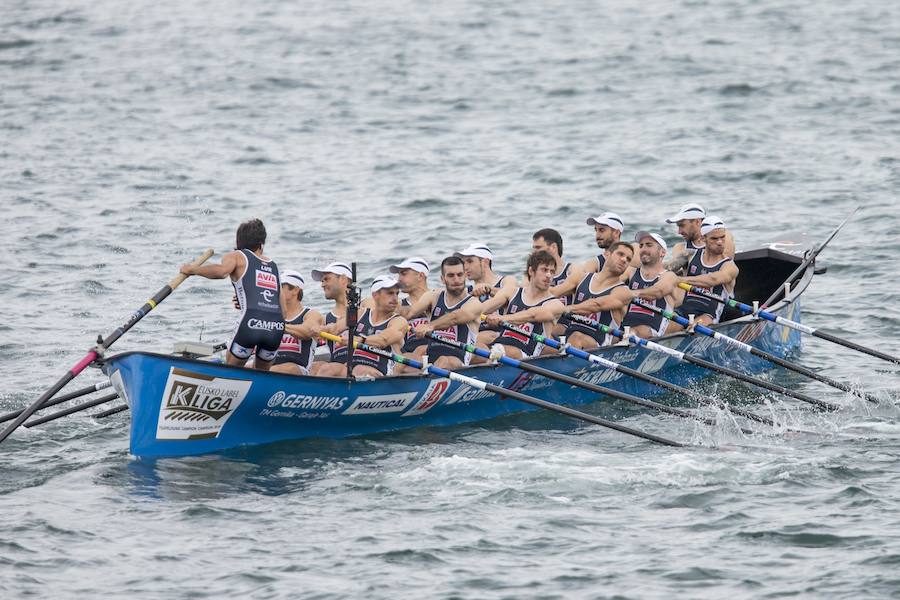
(638, 315)
(261, 323)
(460, 333)
(528, 345)
(583, 293)
(365, 327)
(601, 260)
(293, 350)
(690, 245)
(411, 342)
(697, 305)
(337, 349)
(560, 278)
(498, 285)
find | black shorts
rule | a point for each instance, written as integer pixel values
(261, 331)
(598, 335)
(437, 350)
(412, 343)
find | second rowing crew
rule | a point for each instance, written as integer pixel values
(283, 333)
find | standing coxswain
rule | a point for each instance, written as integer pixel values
(255, 281)
(301, 326)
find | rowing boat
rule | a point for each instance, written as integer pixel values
(184, 406)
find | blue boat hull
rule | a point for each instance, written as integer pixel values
(182, 406)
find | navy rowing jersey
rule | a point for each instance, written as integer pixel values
(261, 324)
(498, 285)
(697, 305)
(293, 350)
(365, 327)
(411, 342)
(337, 349)
(527, 344)
(461, 333)
(583, 293)
(690, 245)
(639, 315)
(560, 278)
(601, 260)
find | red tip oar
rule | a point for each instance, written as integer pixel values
(91, 356)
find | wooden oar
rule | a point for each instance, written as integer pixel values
(763, 314)
(59, 399)
(744, 347)
(102, 345)
(71, 409)
(573, 381)
(494, 389)
(662, 383)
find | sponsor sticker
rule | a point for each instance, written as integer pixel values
(431, 397)
(387, 403)
(195, 406)
(267, 281)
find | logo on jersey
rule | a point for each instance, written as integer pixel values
(195, 406)
(261, 325)
(268, 295)
(266, 281)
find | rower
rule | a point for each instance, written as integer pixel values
(412, 274)
(712, 269)
(549, 240)
(688, 220)
(379, 326)
(334, 280)
(608, 229)
(522, 308)
(301, 326)
(454, 315)
(653, 283)
(602, 297)
(478, 261)
(255, 281)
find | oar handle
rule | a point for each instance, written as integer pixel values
(179, 279)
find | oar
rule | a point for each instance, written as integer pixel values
(662, 383)
(111, 411)
(494, 389)
(59, 399)
(573, 381)
(71, 409)
(747, 309)
(682, 357)
(103, 344)
(744, 347)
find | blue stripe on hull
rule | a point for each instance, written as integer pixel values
(184, 407)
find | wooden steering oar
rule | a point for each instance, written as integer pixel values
(763, 314)
(494, 389)
(744, 347)
(102, 345)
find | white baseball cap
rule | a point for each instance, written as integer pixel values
(415, 263)
(609, 219)
(384, 282)
(291, 277)
(710, 224)
(479, 250)
(338, 268)
(656, 238)
(688, 211)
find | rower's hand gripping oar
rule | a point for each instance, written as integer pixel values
(103, 344)
(763, 314)
(494, 389)
(573, 381)
(744, 347)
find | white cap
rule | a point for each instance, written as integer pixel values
(479, 250)
(338, 268)
(291, 277)
(688, 211)
(656, 238)
(710, 224)
(384, 282)
(609, 219)
(415, 263)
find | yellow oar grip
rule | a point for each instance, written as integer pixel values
(330, 337)
(685, 286)
(483, 317)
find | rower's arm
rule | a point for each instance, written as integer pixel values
(466, 313)
(618, 298)
(497, 301)
(544, 313)
(392, 334)
(310, 327)
(724, 276)
(571, 282)
(422, 306)
(662, 288)
(230, 263)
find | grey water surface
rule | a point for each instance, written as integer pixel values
(133, 135)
